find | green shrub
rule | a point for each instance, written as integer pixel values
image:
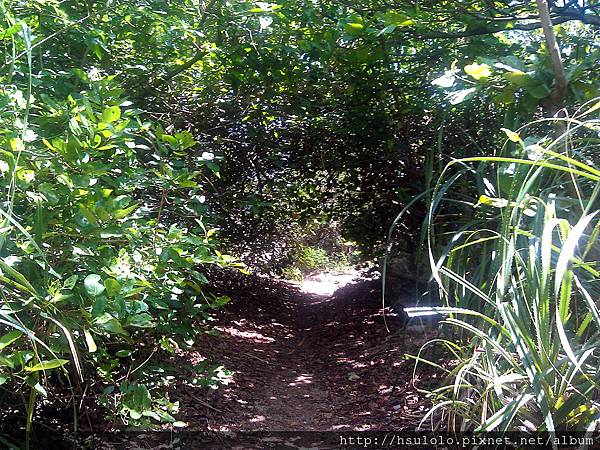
(305, 259)
(292, 273)
(100, 258)
(312, 258)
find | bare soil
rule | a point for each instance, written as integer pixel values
(307, 362)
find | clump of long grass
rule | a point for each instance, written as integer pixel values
(519, 282)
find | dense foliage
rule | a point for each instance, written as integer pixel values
(333, 110)
(103, 233)
(143, 140)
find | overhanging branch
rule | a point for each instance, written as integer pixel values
(560, 17)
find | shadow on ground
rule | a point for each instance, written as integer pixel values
(303, 361)
(290, 360)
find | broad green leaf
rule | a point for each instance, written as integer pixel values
(102, 213)
(143, 320)
(518, 78)
(109, 323)
(538, 91)
(387, 30)
(70, 282)
(88, 214)
(99, 305)
(93, 285)
(9, 338)
(111, 114)
(113, 287)
(506, 96)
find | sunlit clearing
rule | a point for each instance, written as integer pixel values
(326, 283)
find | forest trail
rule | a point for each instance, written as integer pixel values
(303, 361)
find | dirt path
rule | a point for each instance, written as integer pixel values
(306, 362)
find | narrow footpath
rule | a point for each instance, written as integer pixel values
(303, 361)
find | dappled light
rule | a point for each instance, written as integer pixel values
(302, 379)
(249, 335)
(318, 375)
(221, 217)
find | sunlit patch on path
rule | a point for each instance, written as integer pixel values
(326, 283)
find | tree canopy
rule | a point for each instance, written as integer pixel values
(144, 141)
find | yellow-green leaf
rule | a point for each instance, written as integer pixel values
(89, 339)
(593, 108)
(512, 135)
(496, 202)
(26, 175)
(518, 78)
(478, 71)
(121, 213)
(355, 26)
(16, 145)
(47, 365)
(111, 114)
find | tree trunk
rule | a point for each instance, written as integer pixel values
(559, 92)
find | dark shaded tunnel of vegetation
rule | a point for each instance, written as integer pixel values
(221, 217)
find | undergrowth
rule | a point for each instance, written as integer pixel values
(100, 259)
(320, 248)
(518, 279)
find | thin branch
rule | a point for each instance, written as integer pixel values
(560, 16)
(576, 14)
(480, 32)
